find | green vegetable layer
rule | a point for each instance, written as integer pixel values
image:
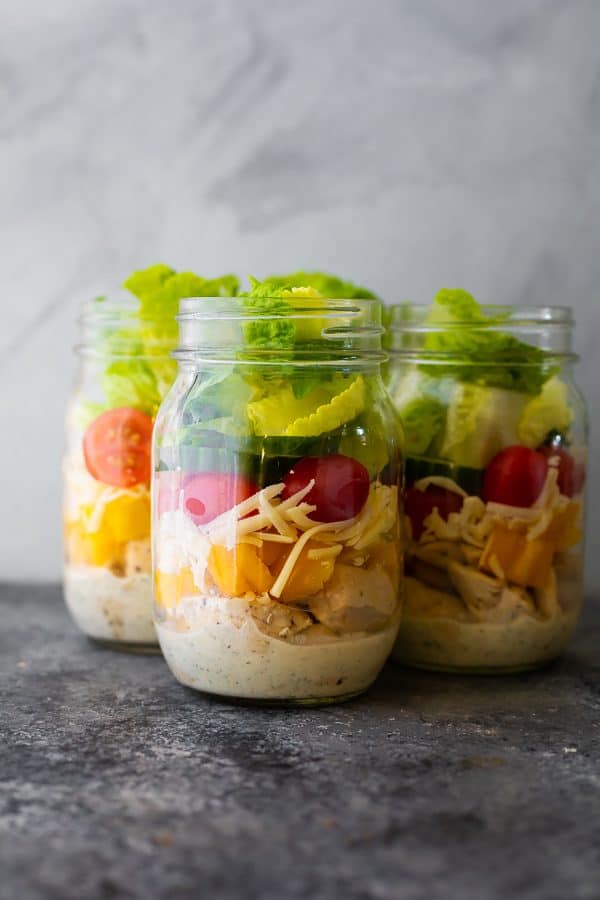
(479, 390)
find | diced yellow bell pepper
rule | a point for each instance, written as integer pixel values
(238, 570)
(565, 528)
(128, 517)
(166, 594)
(523, 562)
(170, 587)
(98, 549)
(308, 575)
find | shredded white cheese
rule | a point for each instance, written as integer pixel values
(440, 481)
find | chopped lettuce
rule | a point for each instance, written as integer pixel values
(266, 299)
(142, 372)
(281, 295)
(159, 290)
(132, 382)
(274, 328)
(479, 352)
(478, 390)
(480, 422)
(549, 411)
(327, 285)
(423, 419)
(226, 393)
(422, 401)
(323, 409)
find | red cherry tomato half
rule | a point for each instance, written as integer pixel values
(419, 504)
(208, 494)
(571, 472)
(515, 477)
(117, 447)
(341, 486)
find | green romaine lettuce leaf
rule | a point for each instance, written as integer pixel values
(327, 285)
(549, 411)
(480, 422)
(145, 371)
(131, 382)
(485, 355)
(423, 419)
(323, 409)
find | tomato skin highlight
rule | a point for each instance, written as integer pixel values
(515, 477)
(208, 494)
(420, 504)
(117, 447)
(341, 486)
(571, 472)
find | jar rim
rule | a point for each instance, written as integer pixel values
(276, 330)
(111, 326)
(245, 307)
(545, 328)
(413, 316)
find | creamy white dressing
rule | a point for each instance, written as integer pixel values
(443, 635)
(216, 646)
(110, 608)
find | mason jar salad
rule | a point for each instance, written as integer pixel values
(276, 498)
(125, 371)
(495, 434)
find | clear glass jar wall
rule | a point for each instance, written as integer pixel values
(276, 501)
(496, 441)
(125, 370)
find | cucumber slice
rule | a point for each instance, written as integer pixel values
(470, 480)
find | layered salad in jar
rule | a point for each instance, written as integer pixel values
(126, 370)
(495, 472)
(276, 530)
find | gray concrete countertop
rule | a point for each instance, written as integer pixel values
(116, 782)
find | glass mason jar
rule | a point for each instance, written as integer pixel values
(277, 456)
(495, 432)
(125, 370)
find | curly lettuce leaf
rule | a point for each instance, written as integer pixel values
(159, 290)
(144, 372)
(326, 284)
(324, 409)
(481, 355)
(423, 419)
(480, 422)
(274, 328)
(224, 394)
(549, 411)
(132, 383)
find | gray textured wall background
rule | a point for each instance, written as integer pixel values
(408, 144)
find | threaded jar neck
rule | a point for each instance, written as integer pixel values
(500, 337)
(113, 327)
(274, 330)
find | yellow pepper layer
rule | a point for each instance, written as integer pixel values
(238, 570)
(99, 549)
(508, 553)
(170, 587)
(127, 517)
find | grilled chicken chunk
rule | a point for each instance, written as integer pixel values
(487, 598)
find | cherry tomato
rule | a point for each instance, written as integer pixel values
(515, 477)
(341, 486)
(208, 494)
(571, 473)
(419, 504)
(117, 446)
